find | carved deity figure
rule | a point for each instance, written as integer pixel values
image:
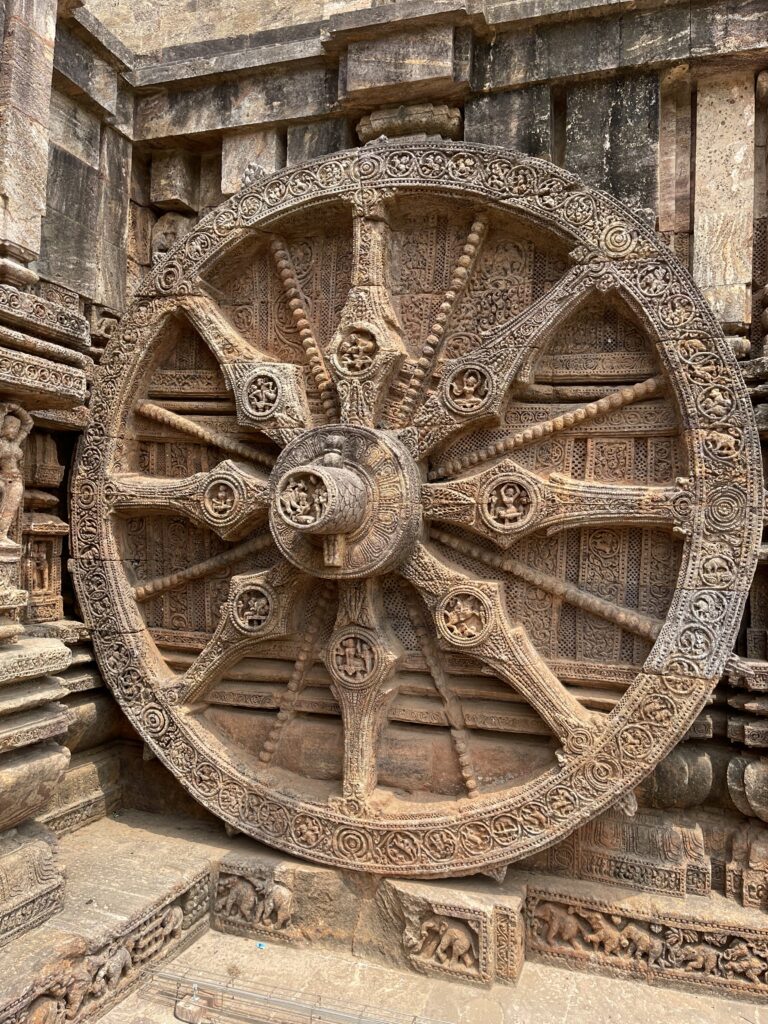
(253, 608)
(303, 499)
(357, 350)
(15, 428)
(353, 658)
(508, 502)
(40, 567)
(262, 394)
(222, 500)
(468, 390)
(464, 616)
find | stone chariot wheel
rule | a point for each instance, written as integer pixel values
(417, 509)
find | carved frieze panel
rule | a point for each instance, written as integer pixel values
(417, 508)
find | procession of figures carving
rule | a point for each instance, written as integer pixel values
(613, 938)
(431, 464)
(81, 985)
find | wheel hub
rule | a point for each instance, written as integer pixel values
(345, 502)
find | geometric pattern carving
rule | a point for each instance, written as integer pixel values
(424, 578)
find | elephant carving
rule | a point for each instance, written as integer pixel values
(449, 942)
(560, 924)
(277, 906)
(268, 903)
(237, 897)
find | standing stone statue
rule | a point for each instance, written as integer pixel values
(15, 428)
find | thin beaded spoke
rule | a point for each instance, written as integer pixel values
(298, 307)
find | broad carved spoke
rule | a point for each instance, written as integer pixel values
(367, 350)
(361, 658)
(269, 396)
(230, 499)
(509, 502)
(260, 606)
(470, 617)
(474, 388)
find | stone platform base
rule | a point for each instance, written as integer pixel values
(141, 888)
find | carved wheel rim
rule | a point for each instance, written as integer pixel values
(717, 510)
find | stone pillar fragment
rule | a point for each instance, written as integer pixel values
(725, 146)
(26, 67)
(675, 122)
(175, 181)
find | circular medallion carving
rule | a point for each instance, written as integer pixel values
(450, 485)
(253, 608)
(261, 394)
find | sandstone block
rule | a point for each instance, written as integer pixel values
(175, 180)
(264, 151)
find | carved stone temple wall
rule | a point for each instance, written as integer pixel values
(383, 408)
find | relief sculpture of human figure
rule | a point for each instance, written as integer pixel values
(15, 428)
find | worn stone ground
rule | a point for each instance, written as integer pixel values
(544, 994)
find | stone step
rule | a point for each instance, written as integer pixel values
(137, 892)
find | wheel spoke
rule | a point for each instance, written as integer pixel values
(229, 499)
(470, 617)
(367, 350)
(260, 606)
(475, 388)
(201, 570)
(566, 421)
(214, 438)
(269, 396)
(628, 618)
(454, 711)
(297, 304)
(509, 502)
(432, 347)
(308, 650)
(361, 658)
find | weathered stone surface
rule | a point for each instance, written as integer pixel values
(422, 60)
(31, 883)
(308, 141)
(175, 181)
(725, 127)
(519, 119)
(612, 136)
(249, 153)
(278, 96)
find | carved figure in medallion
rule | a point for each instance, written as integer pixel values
(468, 389)
(261, 394)
(220, 499)
(353, 658)
(357, 350)
(465, 616)
(508, 503)
(303, 498)
(253, 608)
